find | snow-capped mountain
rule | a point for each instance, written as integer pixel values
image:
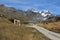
(45, 14)
(33, 10)
(42, 15)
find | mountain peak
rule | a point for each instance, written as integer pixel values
(45, 10)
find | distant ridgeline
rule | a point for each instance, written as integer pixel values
(27, 16)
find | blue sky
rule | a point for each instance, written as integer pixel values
(51, 5)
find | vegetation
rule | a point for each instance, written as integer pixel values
(10, 31)
(52, 26)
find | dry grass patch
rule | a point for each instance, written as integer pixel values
(12, 32)
(9, 31)
(53, 26)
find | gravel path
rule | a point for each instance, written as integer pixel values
(51, 35)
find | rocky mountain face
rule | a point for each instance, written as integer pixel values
(10, 12)
(27, 16)
(46, 14)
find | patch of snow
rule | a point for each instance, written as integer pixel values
(44, 15)
(39, 11)
(35, 11)
(44, 18)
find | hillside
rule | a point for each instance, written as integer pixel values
(12, 13)
(9, 31)
(25, 16)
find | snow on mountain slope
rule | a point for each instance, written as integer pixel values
(39, 15)
(45, 13)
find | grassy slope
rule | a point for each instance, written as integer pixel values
(53, 26)
(9, 31)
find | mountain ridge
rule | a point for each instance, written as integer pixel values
(26, 16)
